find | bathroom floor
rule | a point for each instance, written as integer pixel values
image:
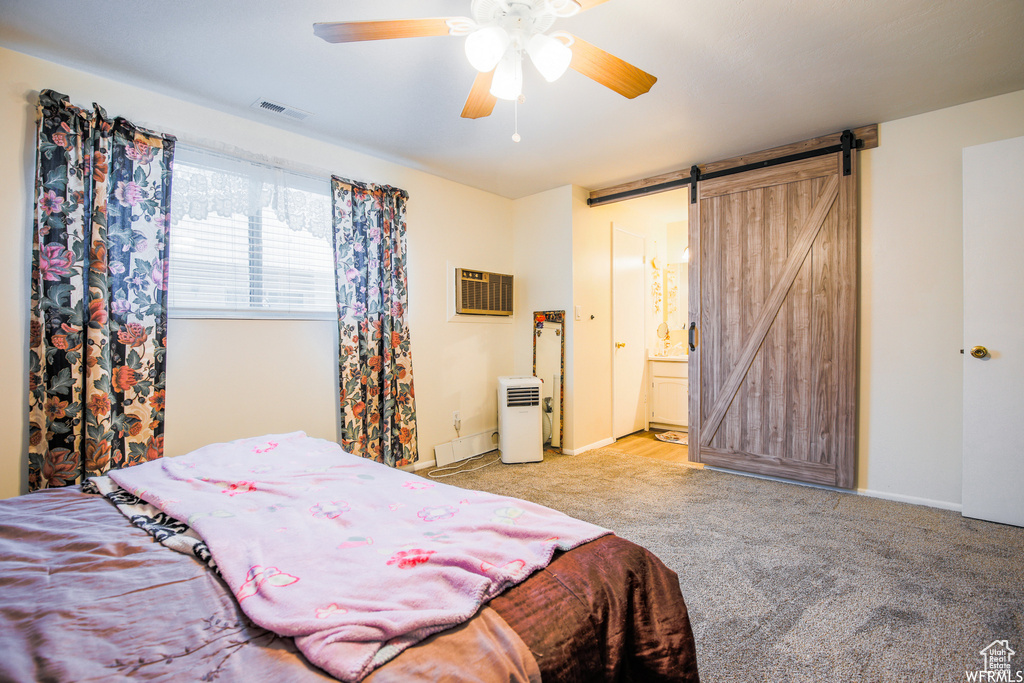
(647, 445)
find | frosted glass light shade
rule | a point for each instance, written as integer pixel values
(508, 77)
(485, 47)
(549, 55)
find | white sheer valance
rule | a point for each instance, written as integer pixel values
(208, 183)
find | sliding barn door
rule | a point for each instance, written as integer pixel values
(773, 294)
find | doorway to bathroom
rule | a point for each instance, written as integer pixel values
(649, 321)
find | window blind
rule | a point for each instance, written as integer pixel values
(248, 240)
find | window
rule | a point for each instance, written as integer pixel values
(248, 240)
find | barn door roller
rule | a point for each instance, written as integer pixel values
(848, 143)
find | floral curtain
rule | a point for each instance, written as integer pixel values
(98, 321)
(378, 408)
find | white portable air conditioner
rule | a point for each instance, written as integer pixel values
(520, 434)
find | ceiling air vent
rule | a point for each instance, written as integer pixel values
(481, 293)
(279, 109)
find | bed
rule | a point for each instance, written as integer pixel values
(87, 594)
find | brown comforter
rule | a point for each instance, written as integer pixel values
(86, 596)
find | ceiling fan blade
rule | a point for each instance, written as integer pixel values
(609, 70)
(481, 101)
(354, 31)
(587, 4)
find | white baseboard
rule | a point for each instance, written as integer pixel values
(418, 465)
(912, 500)
(669, 426)
(597, 444)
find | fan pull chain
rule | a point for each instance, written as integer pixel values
(515, 135)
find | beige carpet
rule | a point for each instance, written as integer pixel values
(791, 583)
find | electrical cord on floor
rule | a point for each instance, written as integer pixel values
(455, 469)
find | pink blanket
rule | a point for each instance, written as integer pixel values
(356, 560)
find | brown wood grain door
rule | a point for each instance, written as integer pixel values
(773, 293)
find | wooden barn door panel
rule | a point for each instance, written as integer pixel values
(774, 287)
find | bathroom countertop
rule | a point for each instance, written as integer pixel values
(669, 359)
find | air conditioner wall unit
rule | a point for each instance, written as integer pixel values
(520, 430)
(478, 292)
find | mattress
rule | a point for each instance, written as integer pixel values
(87, 596)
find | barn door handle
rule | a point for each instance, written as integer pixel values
(692, 336)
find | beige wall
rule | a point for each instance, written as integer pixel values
(229, 379)
(591, 377)
(910, 436)
(543, 269)
(286, 367)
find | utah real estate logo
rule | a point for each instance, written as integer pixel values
(997, 665)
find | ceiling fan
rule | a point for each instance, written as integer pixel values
(496, 38)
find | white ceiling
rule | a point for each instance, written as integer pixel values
(734, 75)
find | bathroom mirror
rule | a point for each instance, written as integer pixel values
(667, 316)
(549, 366)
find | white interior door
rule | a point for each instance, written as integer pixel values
(628, 335)
(993, 459)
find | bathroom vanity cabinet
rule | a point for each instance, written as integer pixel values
(668, 389)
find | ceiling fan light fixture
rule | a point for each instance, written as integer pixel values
(486, 46)
(508, 77)
(497, 36)
(549, 55)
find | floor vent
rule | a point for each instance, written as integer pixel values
(279, 109)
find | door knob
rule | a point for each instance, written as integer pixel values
(979, 352)
(619, 345)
